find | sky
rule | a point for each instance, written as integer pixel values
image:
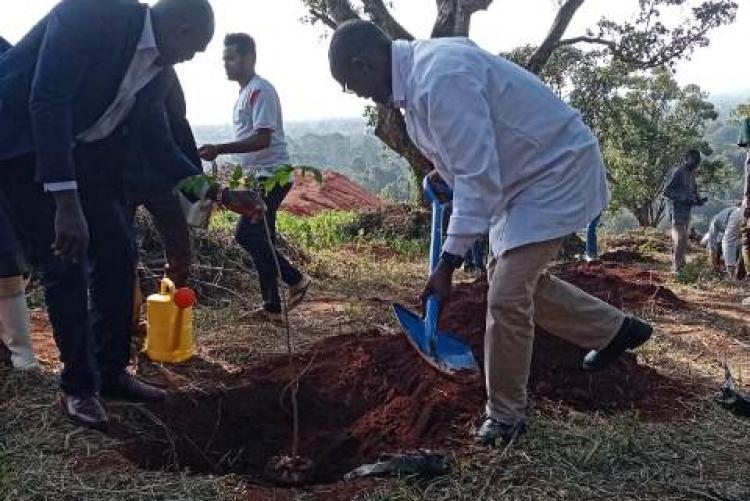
(293, 55)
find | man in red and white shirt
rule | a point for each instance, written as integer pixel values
(261, 149)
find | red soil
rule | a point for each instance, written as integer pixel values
(362, 395)
(307, 197)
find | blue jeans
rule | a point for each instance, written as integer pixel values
(89, 302)
(252, 237)
(592, 248)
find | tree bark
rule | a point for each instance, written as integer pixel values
(564, 16)
(340, 11)
(391, 129)
(380, 15)
(454, 17)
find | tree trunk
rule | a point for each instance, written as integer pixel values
(644, 215)
(454, 17)
(391, 129)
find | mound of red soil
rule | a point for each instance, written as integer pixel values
(337, 192)
(624, 287)
(362, 395)
(625, 256)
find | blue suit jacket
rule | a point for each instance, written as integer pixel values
(61, 77)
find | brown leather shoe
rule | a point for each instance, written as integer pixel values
(85, 411)
(128, 387)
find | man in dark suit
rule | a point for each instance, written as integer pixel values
(4, 45)
(66, 90)
(162, 151)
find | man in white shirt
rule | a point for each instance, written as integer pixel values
(261, 149)
(67, 88)
(522, 166)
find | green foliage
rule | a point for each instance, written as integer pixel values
(321, 231)
(224, 221)
(651, 123)
(695, 271)
(196, 185)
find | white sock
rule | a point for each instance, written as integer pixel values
(15, 332)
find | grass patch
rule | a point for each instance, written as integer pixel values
(321, 231)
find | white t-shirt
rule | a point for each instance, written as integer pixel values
(258, 107)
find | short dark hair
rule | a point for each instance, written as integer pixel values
(693, 156)
(244, 43)
(356, 38)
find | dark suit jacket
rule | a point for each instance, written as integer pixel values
(161, 147)
(61, 77)
(4, 45)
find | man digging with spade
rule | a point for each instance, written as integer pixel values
(523, 166)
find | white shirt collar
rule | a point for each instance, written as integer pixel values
(148, 39)
(401, 56)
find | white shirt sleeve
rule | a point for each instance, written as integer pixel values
(265, 109)
(460, 121)
(61, 186)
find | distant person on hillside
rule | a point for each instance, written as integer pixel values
(261, 148)
(744, 142)
(592, 242)
(724, 239)
(523, 166)
(682, 192)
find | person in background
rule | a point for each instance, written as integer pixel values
(682, 192)
(592, 244)
(724, 239)
(261, 148)
(15, 330)
(744, 142)
(523, 166)
(713, 237)
(155, 166)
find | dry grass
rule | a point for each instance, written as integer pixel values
(566, 455)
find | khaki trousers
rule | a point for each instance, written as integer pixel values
(522, 292)
(679, 246)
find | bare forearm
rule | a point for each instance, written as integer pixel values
(252, 143)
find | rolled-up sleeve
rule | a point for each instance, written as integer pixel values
(460, 121)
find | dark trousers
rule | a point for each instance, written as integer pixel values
(89, 302)
(252, 237)
(172, 227)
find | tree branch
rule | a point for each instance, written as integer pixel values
(454, 17)
(380, 15)
(594, 40)
(340, 11)
(564, 16)
(323, 18)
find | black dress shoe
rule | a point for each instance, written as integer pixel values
(127, 387)
(85, 411)
(491, 430)
(633, 333)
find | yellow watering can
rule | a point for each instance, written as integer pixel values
(169, 317)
